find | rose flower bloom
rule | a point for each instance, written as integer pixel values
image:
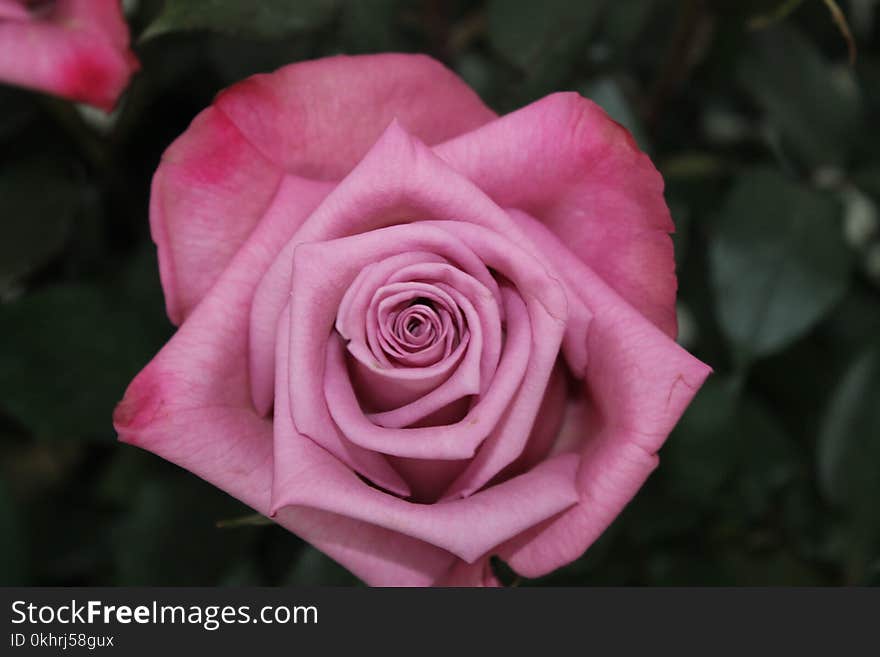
(76, 49)
(412, 332)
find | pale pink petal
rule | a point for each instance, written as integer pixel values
(546, 433)
(378, 556)
(510, 436)
(469, 377)
(370, 464)
(385, 388)
(321, 273)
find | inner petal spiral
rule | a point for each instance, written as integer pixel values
(415, 325)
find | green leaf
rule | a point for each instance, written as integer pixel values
(704, 448)
(72, 351)
(727, 438)
(370, 26)
(769, 459)
(868, 179)
(778, 262)
(815, 107)
(39, 204)
(266, 19)
(776, 568)
(849, 443)
(313, 568)
(625, 21)
(542, 39)
(164, 542)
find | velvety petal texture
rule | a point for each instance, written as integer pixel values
(413, 333)
(76, 49)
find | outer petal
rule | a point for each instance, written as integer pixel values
(216, 180)
(209, 192)
(191, 405)
(565, 162)
(294, 115)
(638, 383)
(78, 50)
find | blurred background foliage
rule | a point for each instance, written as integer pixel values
(767, 137)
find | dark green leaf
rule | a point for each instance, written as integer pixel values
(849, 444)
(39, 203)
(314, 568)
(71, 354)
(768, 460)
(625, 20)
(162, 541)
(542, 39)
(269, 19)
(776, 568)
(868, 180)
(369, 26)
(778, 262)
(705, 447)
(17, 111)
(815, 107)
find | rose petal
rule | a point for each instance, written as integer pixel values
(232, 157)
(191, 406)
(562, 160)
(468, 379)
(77, 50)
(293, 115)
(639, 382)
(210, 355)
(199, 215)
(367, 463)
(322, 271)
(510, 436)
(467, 527)
(424, 188)
(389, 388)
(13, 10)
(546, 437)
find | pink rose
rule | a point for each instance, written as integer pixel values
(77, 49)
(414, 333)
